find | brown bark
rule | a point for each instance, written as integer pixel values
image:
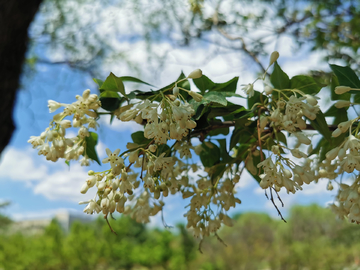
(15, 18)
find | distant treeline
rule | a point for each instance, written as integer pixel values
(312, 238)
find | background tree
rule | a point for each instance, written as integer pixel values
(73, 30)
(15, 18)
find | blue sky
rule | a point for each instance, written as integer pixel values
(38, 188)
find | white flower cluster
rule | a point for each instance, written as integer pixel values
(348, 154)
(348, 202)
(53, 144)
(117, 185)
(288, 116)
(277, 176)
(165, 120)
(200, 218)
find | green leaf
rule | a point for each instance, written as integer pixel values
(151, 94)
(346, 76)
(110, 101)
(224, 154)
(184, 84)
(218, 131)
(256, 161)
(133, 79)
(279, 78)
(203, 121)
(215, 97)
(113, 83)
(230, 94)
(230, 109)
(209, 156)
(163, 148)
(256, 98)
(341, 116)
(131, 95)
(204, 83)
(91, 142)
(305, 83)
(281, 137)
(144, 94)
(217, 172)
(357, 98)
(200, 110)
(322, 148)
(138, 137)
(332, 111)
(98, 82)
(240, 135)
(321, 125)
(229, 86)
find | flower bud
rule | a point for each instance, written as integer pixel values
(301, 123)
(133, 156)
(263, 122)
(65, 123)
(344, 126)
(175, 91)
(197, 73)
(84, 188)
(273, 57)
(153, 148)
(86, 94)
(336, 133)
(329, 186)
(92, 114)
(342, 103)
(91, 181)
(342, 89)
(297, 153)
(53, 105)
(191, 124)
(311, 100)
(268, 90)
(302, 138)
(130, 145)
(341, 153)
(195, 96)
(287, 173)
(332, 153)
(275, 149)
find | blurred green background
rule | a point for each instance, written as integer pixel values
(312, 239)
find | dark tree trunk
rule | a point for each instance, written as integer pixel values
(15, 18)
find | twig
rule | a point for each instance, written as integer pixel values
(243, 44)
(259, 137)
(220, 240)
(107, 221)
(272, 200)
(163, 221)
(201, 241)
(282, 204)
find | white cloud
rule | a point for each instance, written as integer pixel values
(100, 149)
(304, 63)
(245, 180)
(315, 188)
(62, 184)
(19, 165)
(43, 214)
(65, 185)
